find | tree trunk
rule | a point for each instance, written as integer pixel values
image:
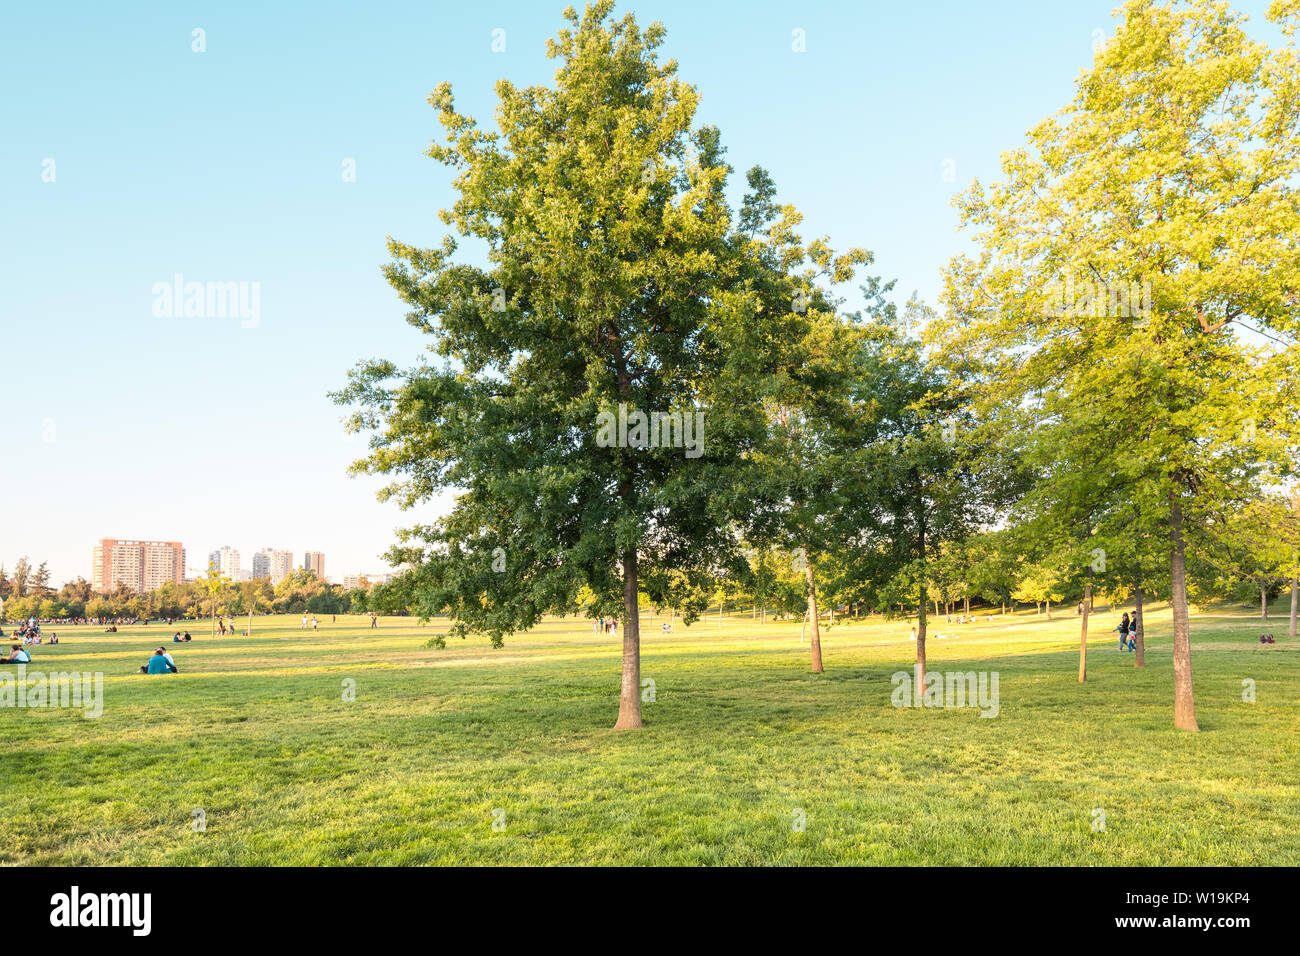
(1263, 603)
(920, 649)
(629, 701)
(1049, 610)
(967, 607)
(1295, 602)
(1139, 651)
(920, 630)
(1184, 701)
(1083, 630)
(816, 637)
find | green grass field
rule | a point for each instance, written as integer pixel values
(256, 732)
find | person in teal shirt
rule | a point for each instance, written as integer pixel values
(158, 664)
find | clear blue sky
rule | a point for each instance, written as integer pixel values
(226, 165)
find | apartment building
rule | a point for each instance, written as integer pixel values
(140, 565)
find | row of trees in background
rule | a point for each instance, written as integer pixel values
(1005, 447)
(301, 592)
(994, 572)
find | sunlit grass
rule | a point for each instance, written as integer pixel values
(256, 732)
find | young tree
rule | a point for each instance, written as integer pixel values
(1124, 253)
(811, 480)
(600, 386)
(215, 584)
(927, 464)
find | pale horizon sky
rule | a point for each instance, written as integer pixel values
(226, 166)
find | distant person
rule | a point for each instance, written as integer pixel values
(374, 620)
(186, 636)
(315, 624)
(18, 655)
(1123, 632)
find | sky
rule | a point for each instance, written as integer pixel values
(128, 158)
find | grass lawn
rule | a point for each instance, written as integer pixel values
(256, 732)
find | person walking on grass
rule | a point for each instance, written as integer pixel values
(1123, 632)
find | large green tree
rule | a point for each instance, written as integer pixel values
(1125, 258)
(599, 384)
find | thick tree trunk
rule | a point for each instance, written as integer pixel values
(1139, 651)
(1184, 701)
(629, 701)
(816, 638)
(920, 648)
(1083, 631)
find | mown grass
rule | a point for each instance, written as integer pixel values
(256, 732)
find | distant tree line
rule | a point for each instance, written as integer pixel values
(28, 593)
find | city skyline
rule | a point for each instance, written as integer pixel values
(145, 566)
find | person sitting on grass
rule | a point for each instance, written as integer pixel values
(160, 663)
(18, 655)
(186, 636)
